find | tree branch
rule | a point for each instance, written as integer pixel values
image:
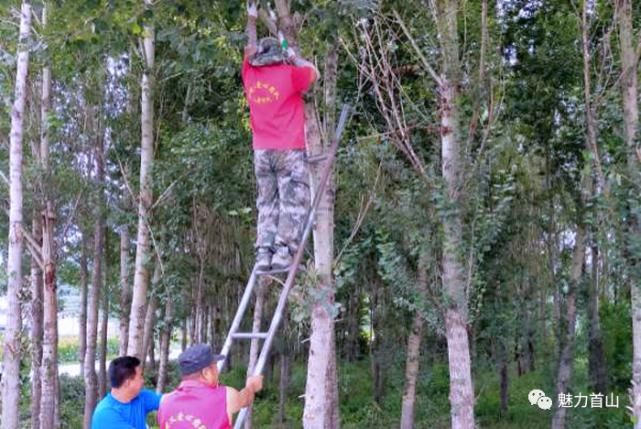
(427, 66)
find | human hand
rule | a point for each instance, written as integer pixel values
(291, 54)
(252, 8)
(255, 383)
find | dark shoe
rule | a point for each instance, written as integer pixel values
(263, 260)
(282, 259)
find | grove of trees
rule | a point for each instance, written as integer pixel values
(480, 236)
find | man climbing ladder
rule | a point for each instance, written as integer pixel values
(274, 79)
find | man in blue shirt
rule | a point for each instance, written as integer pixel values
(127, 405)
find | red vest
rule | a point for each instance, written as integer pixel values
(194, 405)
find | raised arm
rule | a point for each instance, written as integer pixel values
(301, 62)
(237, 400)
(252, 15)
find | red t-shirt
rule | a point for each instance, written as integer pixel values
(276, 107)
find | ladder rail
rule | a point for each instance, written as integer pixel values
(238, 318)
(291, 276)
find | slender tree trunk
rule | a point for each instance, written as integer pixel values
(198, 313)
(461, 388)
(414, 353)
(12, 343)
(82, 320)
(104, 326)
(411, 373)
(165, 342)
(566, 358)
(503, 375)
(183, 337)
(452, 170)
(597, 368)
(282, 385)
(321, 392)
(36, 326)
(93, 296)
(125, 290)
(150, 318)
(629, 91)
(148, 329)
(254, 346)
(152, 353)
(49, 371)
(141, 273)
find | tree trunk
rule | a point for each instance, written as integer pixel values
(503, 375)
(411, 372)
(282, 385)
(566, 357)
(199, 304)
(82, 320)
(183, 337)
(461, 388)
(596, 359)
(149, 328)
(104, 326)
(629, 90)
(165, 341)
(141, 273)
(414, 352)
(254, 346)
(49, 371)
(93, 296)
(150, 318)
(125, 290)
(36, 326)
(452, 169)
(12, 343)
(321, 391)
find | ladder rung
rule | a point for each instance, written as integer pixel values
(316, 158)
(301, 269)
(249, 335)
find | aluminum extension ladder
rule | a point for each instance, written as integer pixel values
(268, 336)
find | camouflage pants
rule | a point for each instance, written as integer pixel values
(283, 197)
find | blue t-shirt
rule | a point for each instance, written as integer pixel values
(113, 414)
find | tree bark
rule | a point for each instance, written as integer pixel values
(566, 358)
(452, 169)
(36, 326)
(283, 382)
(104, 326)
(12, 343)
(141, 273)
(125, 290)
(93, 296)
(321, 391)
(148, 329)
(503, 376)
(414, 352)
(150, 318)
(82, 320)
(254, 346)
(629, 92)
(49, 370)
(165, 341)
(596, 358)
(49, 373)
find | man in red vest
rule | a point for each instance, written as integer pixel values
(275, 79)
(199, 401)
